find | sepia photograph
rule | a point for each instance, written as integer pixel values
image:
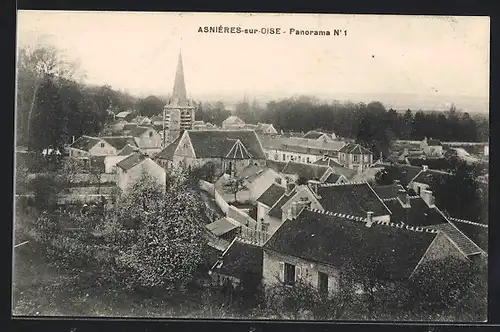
(253, 166)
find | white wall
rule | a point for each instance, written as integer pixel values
(110, 163)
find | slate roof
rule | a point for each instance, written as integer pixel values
(131, 161)
(221, 226)
(354, 199)
(466, 245)
(336, 242)
(419, 214)
(276, 165)
(352, 148)
(271, 195)
(240, 259)
(332, 178)
(306, 171)
(478, 234)
(218, 143)
(85, 143)
(128, 149)
(404, 173)
(119, 142)
(238, 151)
(276, 211)
(388, 191)
(433, 142)
(168, 152)
(313, 134)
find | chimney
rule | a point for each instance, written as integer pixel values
(428, 197)
(404, 198)
(369, 219)
(72, 139)
(425, 168)
(295, 209)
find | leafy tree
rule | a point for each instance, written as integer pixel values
(205, 172)
(150, 106)
(169, 240)
(46, 190)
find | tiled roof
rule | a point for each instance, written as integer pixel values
(276, 211)
(327, 162)
(395, 252)
(404, 173)
(241, 259)
(122, 114)
(119, 142)
(238, 151)
(138, 131)
(222, 226)
(128, 149)
(233, 119)
(218, 143)
(271, 195)
(463, 242)
(352, 148)
(478, 234)
(131, 161)
(168, 152)
(306, 171)
(301, 145)
(313, 134)
(428, 176)
(352, 199)
(85, 143)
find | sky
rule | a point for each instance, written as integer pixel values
(437, 57)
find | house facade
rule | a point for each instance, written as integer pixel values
(355, 157)
(230, 151)
(146, 137)
(131, 168)
(298, 149)
(233, 123)
(87, 146)
(315, 247)
(266, 128)
(432, 147)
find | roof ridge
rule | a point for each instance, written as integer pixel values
(468, 222)
(342, 184)
(379, 222)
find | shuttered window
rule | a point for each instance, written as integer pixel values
(323, 283)
(289, 274)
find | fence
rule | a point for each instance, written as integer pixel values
(253, 236)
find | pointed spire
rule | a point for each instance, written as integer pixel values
(179, 94)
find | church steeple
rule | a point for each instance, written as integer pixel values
(179, 94)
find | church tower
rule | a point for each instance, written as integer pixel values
(178, 113)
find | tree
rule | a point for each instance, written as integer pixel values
(168, 243)
(150, 106)
(234, 184)
(205, 172)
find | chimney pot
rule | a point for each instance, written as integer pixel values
(425, 168)
(369, 217)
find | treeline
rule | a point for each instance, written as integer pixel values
(346, 119)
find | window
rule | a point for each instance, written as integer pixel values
(308, 160)
(276, 156)
(102, 145)
(323, 283)
(150, 134)
(284, 157)
(355, 158)
(289, 274)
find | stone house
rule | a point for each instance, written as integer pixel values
(130, 169)
(317, 247)
(298, 149)
(266, 128)
(257, 179)
(432, 147)
(356, 157)
(233, 123)
(241, 260)
(125, 115)
(230, 151)
(297, 172)
(88, 146)
(146, 137)
(111, 161)
(318, 135)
